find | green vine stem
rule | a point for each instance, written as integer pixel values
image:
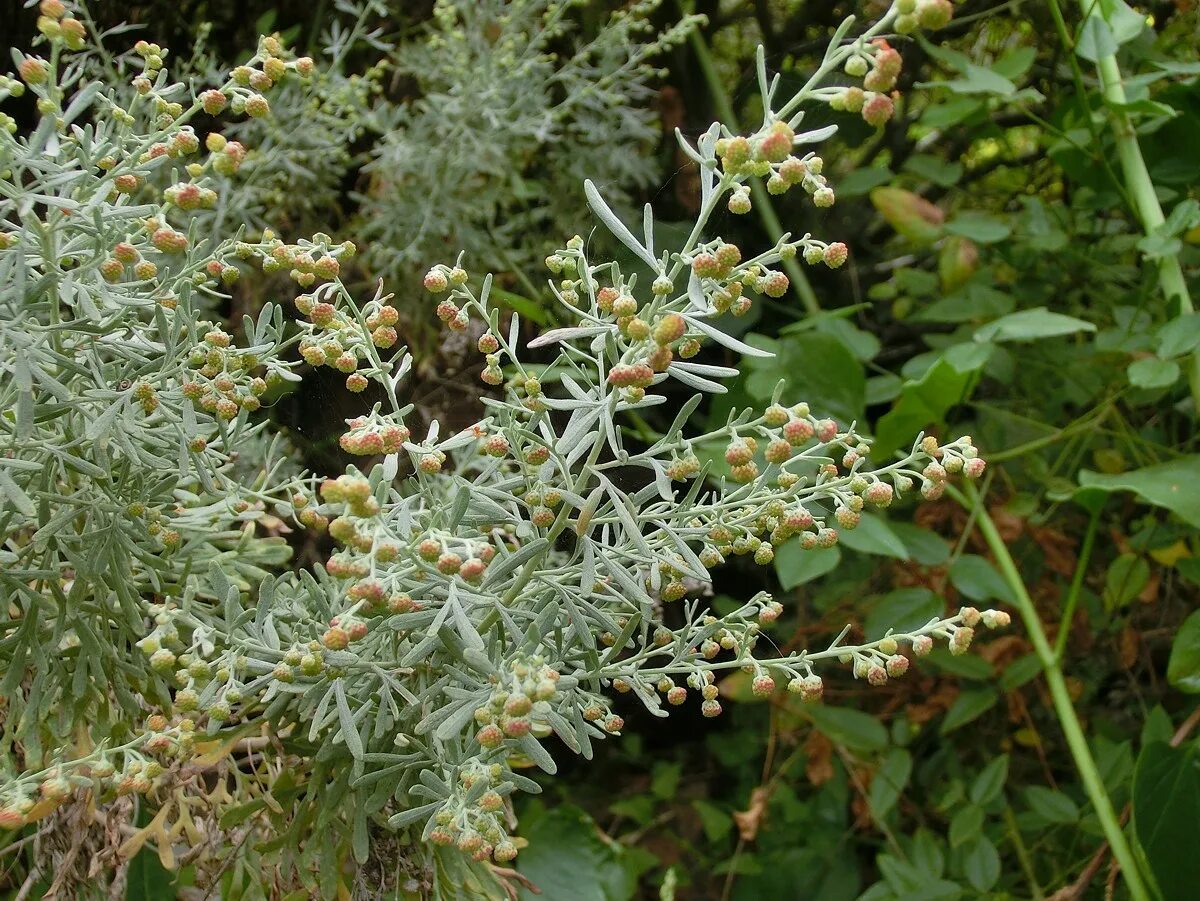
(1138, 183)
(970, 499)
(762, 200)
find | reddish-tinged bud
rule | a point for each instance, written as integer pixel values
(777, 144)
(774, 284)
(835, 255)
(336, 638)
(435, 281)
(669, 329)
(877, 110)
(762, 686)
(213, 102)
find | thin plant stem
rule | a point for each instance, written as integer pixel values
(1064, 707)
(1139, 185)
(1014, 834)
(1085, 555)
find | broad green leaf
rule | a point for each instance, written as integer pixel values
(969, 706)
(861, 181)
(990, 781)
(981, 864)
(923, 403)
(1015, 63)
(974, 303)
(924, 546)
(1174, 486)
(1183, 669)
(1029, 325)
(976, 80)
(903, 610)
(567, 858)
(795, 566)
(1152, 372)
(1166, 797)
(1179, 336)
(847, 726)
(1051, 806)
(965, 825)
(981, 227)
(1126, 577)
(824, 371)
(978, 580)
(716, 822)
(889, 782)
(873, 535)
(934, 169)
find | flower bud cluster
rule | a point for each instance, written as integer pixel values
(224, 380)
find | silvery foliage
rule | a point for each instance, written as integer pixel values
(500, 594)
(476, 608)
(114, 487)
(506, 127)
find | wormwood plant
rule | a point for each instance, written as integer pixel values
(476, 617)
(553, 98)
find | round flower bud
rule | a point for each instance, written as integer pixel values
(877, 110)
(435, 282)
(856, 67)
(934, 14)
(762, 686)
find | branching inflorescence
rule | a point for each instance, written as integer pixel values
(501, 594)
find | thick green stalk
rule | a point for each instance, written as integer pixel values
(762, 200)
(1140, 186)
(1063, 705)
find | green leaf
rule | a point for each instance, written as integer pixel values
(924, 546)
(981, 864)
(903, 610)
(1095, 40)
(795, 566)
(1166, 796)
(1179, 336)
(567, 858)
(1029, 325)
(889, 781)
(1183, 669)
(1151, 372)
(1015, 63)
(1051, 806)
(990, 781)
(873, 535)
(934, 169)
(969, 706)
(976, 578)
(846, 726)
(1126, 577)
(980, 227)
(923, 403)
(965, 825)
(823, 370)
(977, 80)
(716, 822)
(1174, 486)
(861, 181)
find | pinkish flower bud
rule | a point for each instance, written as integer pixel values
(835, 254)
